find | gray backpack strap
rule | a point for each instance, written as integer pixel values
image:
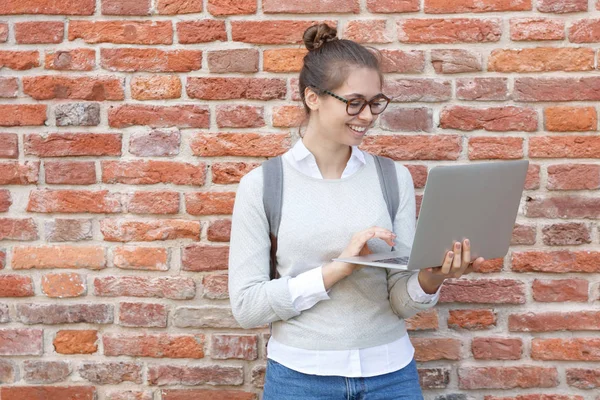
(388, 180)
(272, 201)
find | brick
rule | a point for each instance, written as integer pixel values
(156, 143)
(18, 229)
(14, 173)
(417, 147)
(155, 87)
(153, 203)
(5, 201)
(523, 234)
(449, 30)
(236, 88)
(204, 394)
(407, 119)
(64, 285)
(490, 266)
(419, 175)
(202, 31)
(219, 230)
(50, 87)
(489, 148)
(573, 176)
(317, 6)
(204, 258)
(122, 32)
(541, 59)
(563, 207)
(258, 376)
(9, 87)
(3, 32)
(522, 377)
(242, 347)
(39, 32)
(9, 145)
(534, 29)
(434, 378)
(476, 319)
(74, 201)
(532, 180)
(422, 321)
(418, 90)
(150, 60)
(560, 290)
(453, 61)
(270, 32)
(576, 349)
(67, 7)
(561, 6)
(4, 312)
(175, 288)
(19, 60)
(583, 378)
(491, 291)
(183, 116)
(153, 172)
(9, 372)
(70, 172)
(466, 6)
(141, 231)
(143, 315)
(22, 114)
(564, 147)
(78, 114)
(111, 373)
(283, 60)
(568, 119)
(209, 203)
(154, 345)
(556, 261)
(70, 60)
(436, 349)
(126, 7)
(195, 375)
(557, 89)
(288, 116)
(16, 286)
(240, 116)
(216, 286)
(495, 119)
(68, 230)
(173, 7)
(221, 8)
(129, 395)
(45, 371)
(21, 342)
(141, 258)
(585, 31)
(73, 144)
(29, 313)
(554, 321)
(239, 144)
(58, 257)
(48, 392)
(367, 31)
(235, 60)
(204, 317)
(486, 348)
(76, 342)
(393, 6)
(402, 61)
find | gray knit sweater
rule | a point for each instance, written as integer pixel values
(319, 216)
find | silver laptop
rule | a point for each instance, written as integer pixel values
(478, 201)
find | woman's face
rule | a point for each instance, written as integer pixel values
(334, 122)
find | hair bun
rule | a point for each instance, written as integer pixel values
(317, 35)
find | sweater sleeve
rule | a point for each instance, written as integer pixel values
(404, 227)
(255, 299)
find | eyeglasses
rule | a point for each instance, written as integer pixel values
(355, 106)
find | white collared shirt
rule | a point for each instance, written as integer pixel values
(308, 288)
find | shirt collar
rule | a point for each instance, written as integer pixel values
(300, 152)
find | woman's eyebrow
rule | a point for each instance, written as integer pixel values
(362, 95)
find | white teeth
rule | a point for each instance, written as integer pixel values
(358, 128)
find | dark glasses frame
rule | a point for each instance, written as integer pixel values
(364, 102)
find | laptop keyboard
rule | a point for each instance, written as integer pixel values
(396, 260)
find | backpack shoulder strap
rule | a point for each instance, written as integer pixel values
(388, 180)
(272, 201)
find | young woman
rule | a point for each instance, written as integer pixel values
(338, 329)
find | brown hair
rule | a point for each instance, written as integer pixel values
(329, 60)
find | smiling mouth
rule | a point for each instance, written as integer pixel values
(358, 129)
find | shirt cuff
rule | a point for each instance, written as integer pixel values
(307, 289)
(416, 291)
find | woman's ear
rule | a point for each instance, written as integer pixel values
(311, 99)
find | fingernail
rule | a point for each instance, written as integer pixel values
(451, 254)
(467, 242)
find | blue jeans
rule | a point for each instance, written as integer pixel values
(282, 383)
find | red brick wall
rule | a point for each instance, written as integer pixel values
(125, 126)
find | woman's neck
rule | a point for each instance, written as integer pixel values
(331, 157)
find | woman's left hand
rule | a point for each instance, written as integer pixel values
(457, 263)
